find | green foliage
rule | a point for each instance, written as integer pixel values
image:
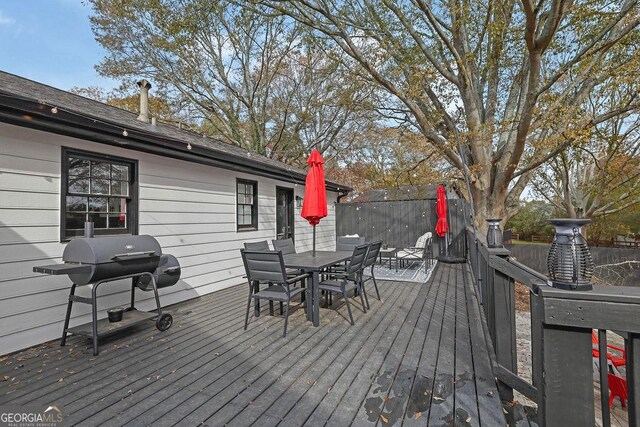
(531, 219)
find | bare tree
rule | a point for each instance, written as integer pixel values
(494, 71)
(599, 174)
(248, 79)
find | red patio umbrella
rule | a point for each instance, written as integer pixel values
(314, 205)
(442, 227)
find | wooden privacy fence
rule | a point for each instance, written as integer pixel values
(397, 223)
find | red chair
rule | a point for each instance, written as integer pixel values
(616, 360)
(617, 388)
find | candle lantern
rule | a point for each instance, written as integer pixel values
(569, 261)
(494, 234)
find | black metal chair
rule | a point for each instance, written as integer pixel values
(262, 245)
(348, 243)
(285, 245)
(268, 267)
(348, 280)
(370, 261)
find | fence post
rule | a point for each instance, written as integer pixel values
(503, 319)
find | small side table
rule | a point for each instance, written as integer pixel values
(388, 253)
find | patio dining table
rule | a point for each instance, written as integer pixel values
(314, 264)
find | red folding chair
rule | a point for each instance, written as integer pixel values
(617, 388)
(617, 359)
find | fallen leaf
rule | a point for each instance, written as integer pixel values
(3, 358)
(61, 380)
(418, 415)
(5, 378)
(384, 419)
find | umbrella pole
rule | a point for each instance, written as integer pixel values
(314, 240)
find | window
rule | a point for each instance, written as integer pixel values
(97, 188)
(247, 204)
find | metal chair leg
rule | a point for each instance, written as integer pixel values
(346, 300)
(363, 296)
(375, 284)
(286, 318)
(246, 317)
(363, 291)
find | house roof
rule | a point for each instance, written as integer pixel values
(24, 102)
(403, 192)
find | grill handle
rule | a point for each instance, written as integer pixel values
(172, 270)
(133, 255)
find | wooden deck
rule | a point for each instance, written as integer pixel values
(418, 357)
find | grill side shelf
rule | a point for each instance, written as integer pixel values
(59, 269)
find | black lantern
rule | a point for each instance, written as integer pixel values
(569, 261)
(494, 234)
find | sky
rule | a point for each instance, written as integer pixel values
(50, 41)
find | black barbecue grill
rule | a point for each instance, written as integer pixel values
(94, 261)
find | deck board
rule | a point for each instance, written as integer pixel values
(417, 355)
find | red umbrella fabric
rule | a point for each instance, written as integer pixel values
(314, 205)
(442, 227)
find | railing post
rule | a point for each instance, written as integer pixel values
(563, 367)
(632, 344)
(503, 319)
(567, 390)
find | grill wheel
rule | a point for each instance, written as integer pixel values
(164, 322)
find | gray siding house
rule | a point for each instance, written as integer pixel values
(65, 159)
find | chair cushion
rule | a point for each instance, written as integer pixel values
(335, 286)
(408, 254)
(422, 240)
(277, 293)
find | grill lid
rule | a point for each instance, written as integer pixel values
(100, 250)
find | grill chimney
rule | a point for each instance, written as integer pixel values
(144, 100)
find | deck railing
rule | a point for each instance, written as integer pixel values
(561, 337)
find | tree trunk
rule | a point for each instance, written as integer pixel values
(488, 205)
